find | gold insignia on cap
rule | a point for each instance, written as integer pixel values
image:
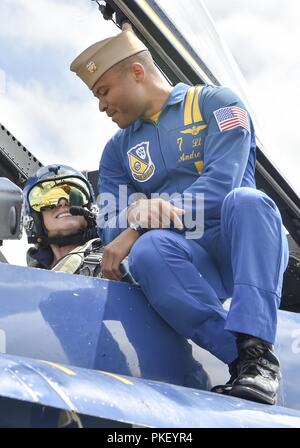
(91, 66)
(98, 58)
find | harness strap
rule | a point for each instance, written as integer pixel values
(74, 259)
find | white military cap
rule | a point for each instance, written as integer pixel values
(93, 62)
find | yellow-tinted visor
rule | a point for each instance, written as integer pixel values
(48, 193)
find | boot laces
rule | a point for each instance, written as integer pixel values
(254, 362)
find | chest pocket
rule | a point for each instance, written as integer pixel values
(188, 140)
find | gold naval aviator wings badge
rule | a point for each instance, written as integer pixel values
(140, 163)
(194, 130)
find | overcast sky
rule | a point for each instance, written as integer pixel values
(57, 119)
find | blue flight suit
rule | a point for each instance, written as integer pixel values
(203, 142)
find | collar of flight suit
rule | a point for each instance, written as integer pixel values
(176, 96)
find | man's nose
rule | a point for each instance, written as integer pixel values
(103, 106)
(63, 202)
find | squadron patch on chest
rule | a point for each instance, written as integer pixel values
(140, 163)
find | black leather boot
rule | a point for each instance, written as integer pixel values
(258, 371)
(226, 388)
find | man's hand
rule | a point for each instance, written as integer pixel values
(115, 252)
(155, 214)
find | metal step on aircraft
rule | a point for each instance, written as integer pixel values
(87, 352)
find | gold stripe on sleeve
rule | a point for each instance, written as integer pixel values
(197, 116)
(188, 119)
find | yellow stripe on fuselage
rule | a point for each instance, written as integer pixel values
(60, 367)
(116, 377)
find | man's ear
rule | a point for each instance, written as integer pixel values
(138, 71)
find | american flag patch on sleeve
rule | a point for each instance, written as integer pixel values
(232, 117)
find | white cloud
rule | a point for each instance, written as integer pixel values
(34, 24)
(58, 121)
(266, 8)
(277, 104)
(55, 129)
(263, 37)
(15, 251)
(258, 42)
(2, 82)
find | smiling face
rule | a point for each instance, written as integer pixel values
(59, 222)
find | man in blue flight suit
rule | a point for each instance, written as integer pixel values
(198, 145)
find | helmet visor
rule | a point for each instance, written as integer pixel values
(49, 193)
